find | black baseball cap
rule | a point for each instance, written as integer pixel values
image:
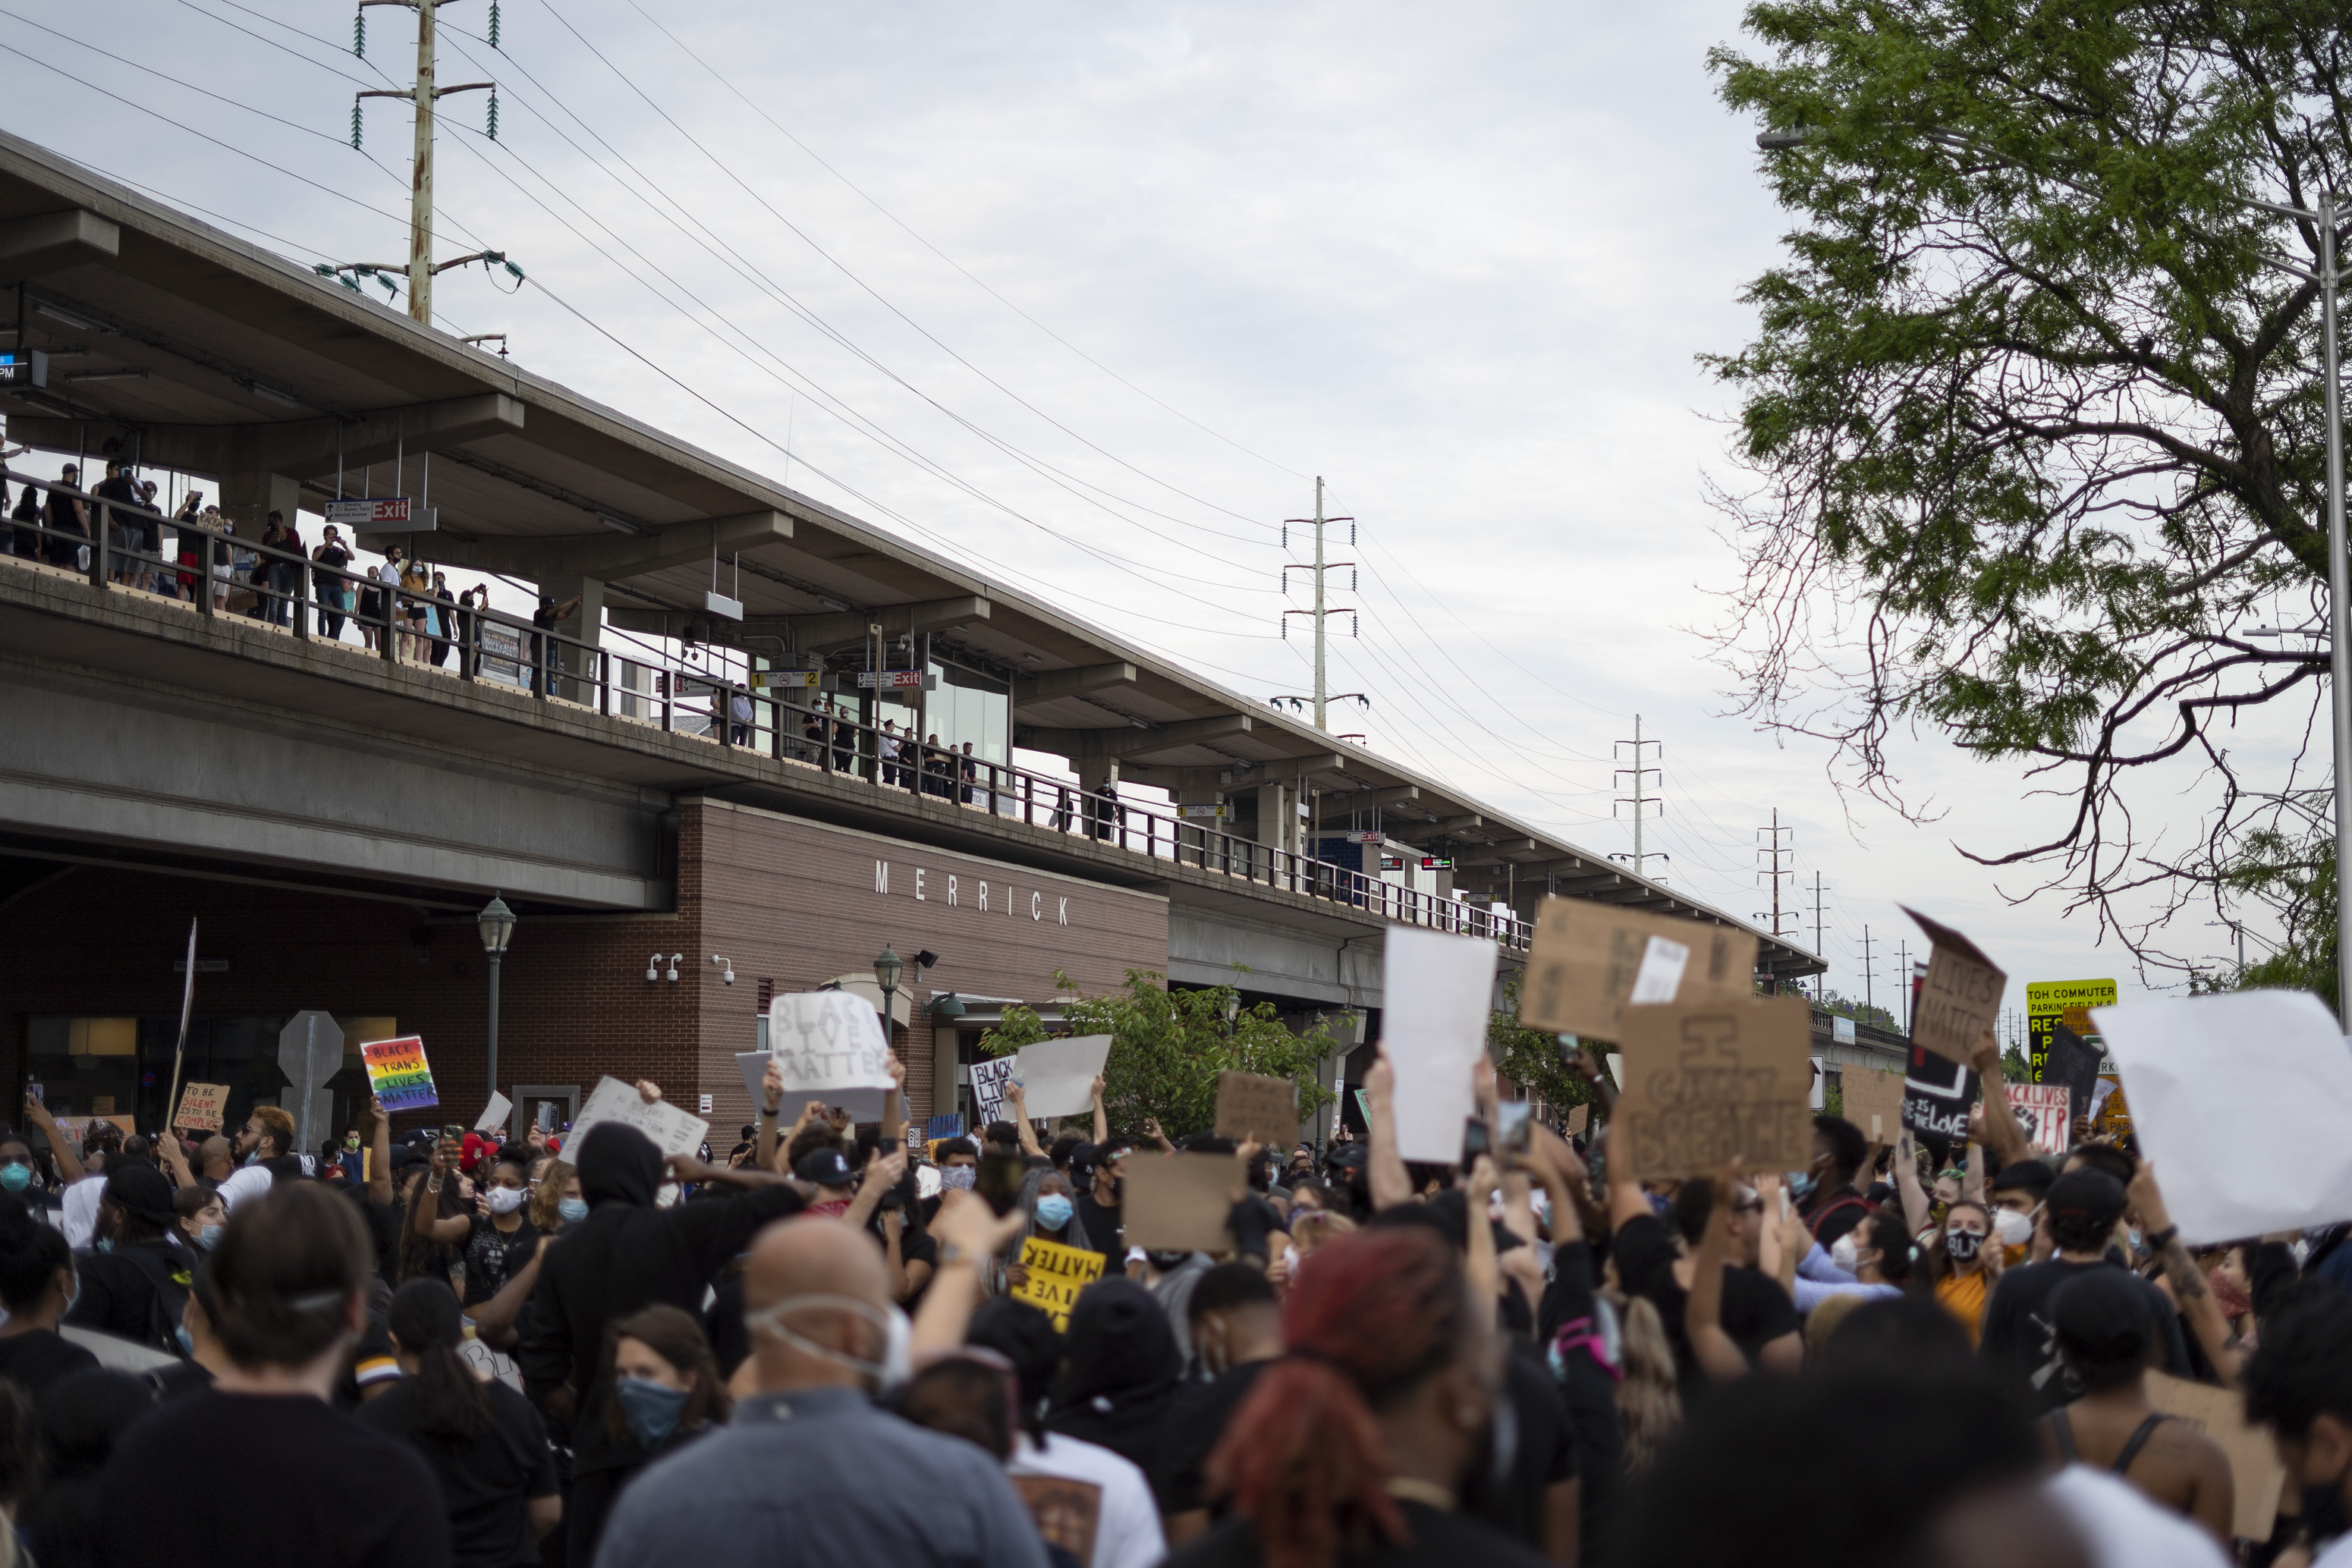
(827, 1168)
(2094, 1196)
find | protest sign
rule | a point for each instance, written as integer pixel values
(672, 1130)
(2255, 1471)
(863, 1104)
(2046, 1108)
(1589, 960)
(1251, 1106)
(1708, 1080)
(2049, 1004)
(1178, 1203)
(495, 1114)
(1067, 1512)
(1936, 1095)
(826, 1040)
(1056, 1275)
(1817, 1095)
(989, 1082)
(945, 1127)
(1579, 1117)
(1873, 1101)
(1057, 1076)
(1959, 996)
(2072, 1062)
(1440, 991)
(398, 1075)
(78, 1127)
(202, 1106)
(2241, 1100)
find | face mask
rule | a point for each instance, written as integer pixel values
(16, 1179)
(208, 1236)
(1053, 1211)
(959, 1178)
(2133, 1236)
(350, 1143)
(2015, 1229)
(573, 1209)
(106, 1244)
(504, 1200)
(1961, 1245)
(187, 1340)
(1167, 1262)
(651, 1408)
(898, 1337)
(1845, 1254)
(1801, 1185)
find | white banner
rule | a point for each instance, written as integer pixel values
(1057, 1076)
(826, 1040)
(673, 1131)
(1439, 989)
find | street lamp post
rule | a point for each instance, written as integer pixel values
(886, 970)
(496, 923)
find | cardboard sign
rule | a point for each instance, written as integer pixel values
(1251, 1106)
(2241, 1100)
(1579, 1118)
(1936, 1095)
(1178, 1203)
(1067, 1512)
(863, 1104)
(1057, 1076)
(673, 1131)
(495, 1114)
(77, 1128)
(2255, 1471)
(991, 1080)
(202, 1106)
(398, 1075)
(825, 1040)
(2046, 1110)
(1056, 1275)
(1589, 960)
(1961, 994)
(1439, 990)
(2050, 1003)
(1708, 1080)
(1873, 1101)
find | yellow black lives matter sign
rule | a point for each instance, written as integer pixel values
(1056, 1275)
(2049, 1003)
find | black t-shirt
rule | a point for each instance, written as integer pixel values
(1756, 1309)
(135, 1290)
(1439, 1539)
(249, 1480)
(33, 1361)
(1530, 1447)
(1104, 1227)
(493, 1257)
(2020, 1346)
(1192, 1431)
(383, 1229)
(485, 1481)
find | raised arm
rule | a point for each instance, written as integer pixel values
(2004, 1136)
(1478, 1262)
(882, 1174)
(1151, 1131)
(69, 1157)
(771, 1109)
(380, 1155)
(967, 1233)
(1384, 1167)
(1102, 1122)
(1907, 1183)
(175, 1159)
(894, 1105)
(1027, 1133)
(2220, 1344)
(424, 1202)
(1717, 1355)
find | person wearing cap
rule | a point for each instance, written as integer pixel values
(134, 1283)
(829, 1168)
(1094, 1173)
(2020, 1346)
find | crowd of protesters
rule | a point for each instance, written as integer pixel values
(570, 1350)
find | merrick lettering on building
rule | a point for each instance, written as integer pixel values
(954, 900)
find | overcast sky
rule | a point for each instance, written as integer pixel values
(1087, 294)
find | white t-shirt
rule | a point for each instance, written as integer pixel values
(1126, 1533)
(2337, 1556)
(246, 1181)
(80, 1210)
(2123, 1528)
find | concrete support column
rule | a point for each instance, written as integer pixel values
(585, 623)
(1277, 817)
(247, 499)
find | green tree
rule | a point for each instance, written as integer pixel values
(1529, 1057)
(1167, 1047)
(2291, 875)
(2034, 434)
(1861, 1012)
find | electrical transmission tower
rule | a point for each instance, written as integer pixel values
(1820, 986)
(1638, 800)
(1318, 568)
(425, 96)
(1775, 850)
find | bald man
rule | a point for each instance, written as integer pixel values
(810, 1472)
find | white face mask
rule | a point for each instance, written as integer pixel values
(1845, 1254)
(2015, 1229)
(898, 1362)
(504, 1200)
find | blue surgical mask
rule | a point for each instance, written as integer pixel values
(106, 1244)
(187, 1340)
(1053, 1211)
(1802, 1184)
(572, 1210)
(16, 1177)
(208, 1236)
(651, 1408)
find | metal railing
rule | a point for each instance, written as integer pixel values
(116, 544)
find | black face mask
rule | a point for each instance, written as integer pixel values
(1961, 1245)
(1167, 1262)
(2324, 1514)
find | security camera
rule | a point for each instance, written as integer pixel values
(728, 977)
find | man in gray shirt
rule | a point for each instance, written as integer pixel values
(810, 1471)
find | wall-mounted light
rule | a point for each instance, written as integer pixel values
(728, 977)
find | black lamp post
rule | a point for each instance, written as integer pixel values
(886, 970)
(496, 923)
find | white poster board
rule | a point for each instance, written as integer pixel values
(1437, 992)
(1057, 1076)
(863, 1104)
(673, 1131)
(2045, 1109)
(2241, 1100)
(494, 1114)
(990, 1080)
(824, 1041)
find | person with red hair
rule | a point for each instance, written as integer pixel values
(1351, 1448)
